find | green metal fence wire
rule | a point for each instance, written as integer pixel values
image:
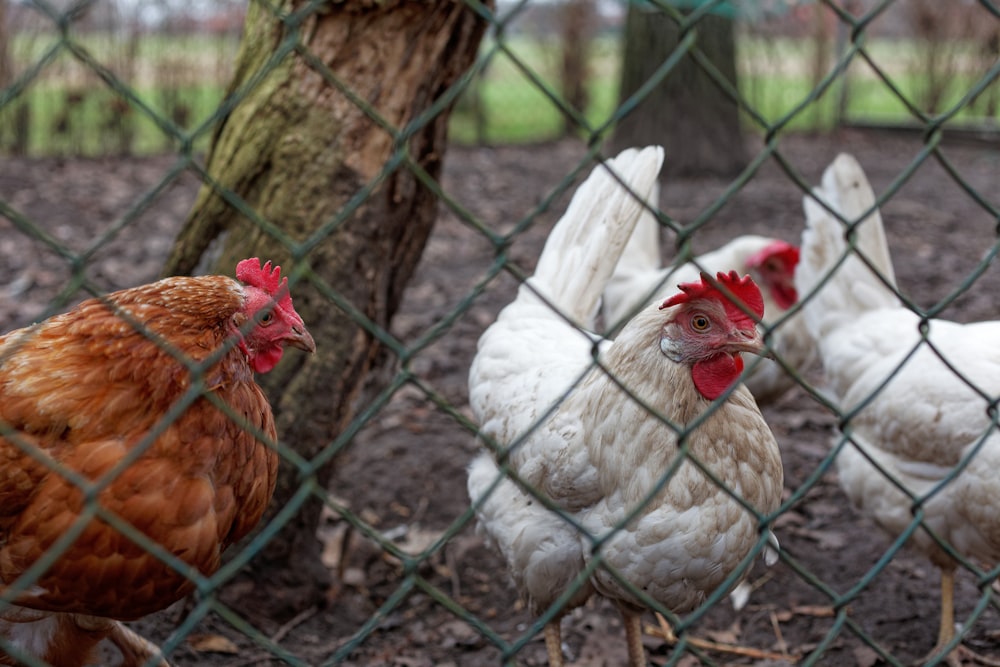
(503, 48)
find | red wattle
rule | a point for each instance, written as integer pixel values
(265, 360)
(714, 376)
(785, 297)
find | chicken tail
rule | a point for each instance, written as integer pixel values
(865, 280)
(629, 285)
(583, 248)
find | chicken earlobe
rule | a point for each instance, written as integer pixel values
(672, 349)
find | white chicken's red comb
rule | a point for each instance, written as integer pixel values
(744, 289)
(786, 251)
(250, 272)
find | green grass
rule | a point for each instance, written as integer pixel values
(97, 121)
(71, 111)
(504, 106)
(776, 78)
(516, 109)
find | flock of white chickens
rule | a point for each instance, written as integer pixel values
(637, 465)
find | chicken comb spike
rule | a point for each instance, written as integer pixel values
(788, 253)
(744, 289)
(250, 272)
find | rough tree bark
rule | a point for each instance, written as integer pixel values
(687, 113)
(296, 149)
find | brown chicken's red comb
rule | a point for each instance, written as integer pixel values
(744, 289)
(250, 272)
(788, 253)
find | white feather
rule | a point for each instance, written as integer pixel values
(927, 421)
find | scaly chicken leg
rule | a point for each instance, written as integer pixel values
(947, 630)
(633, 637)
(553, 642)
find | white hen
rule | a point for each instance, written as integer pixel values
(650, 515)
(927, 422)
(640, 279)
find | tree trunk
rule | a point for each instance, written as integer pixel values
(687, 112)
(6, 70)
(14, 117)
(297, 152)
(577, 22)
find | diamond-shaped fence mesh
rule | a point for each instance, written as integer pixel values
(882, 396)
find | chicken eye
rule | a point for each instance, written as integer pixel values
(266, 319)
(700, 323)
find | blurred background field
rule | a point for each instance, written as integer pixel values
(146, 78)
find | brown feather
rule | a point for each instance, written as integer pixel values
(83, 390)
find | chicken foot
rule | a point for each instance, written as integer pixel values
(136, 650)
(959, 655)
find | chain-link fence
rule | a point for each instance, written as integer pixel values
(902, 436)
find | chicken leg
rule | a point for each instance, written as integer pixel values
(947, 630)
(633, 637)
(553, 642)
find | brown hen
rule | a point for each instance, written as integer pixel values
(144, 400)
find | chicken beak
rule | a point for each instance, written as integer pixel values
(301, 339)
(750, 341)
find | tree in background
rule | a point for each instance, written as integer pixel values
(6, 69)
(298, 151)
(954, 42)
(688, 113)
(577, 27)
(14, 115)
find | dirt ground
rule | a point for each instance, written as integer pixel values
(404, 473)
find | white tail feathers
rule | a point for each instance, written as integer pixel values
(585, 245)
(854, 287)
(640, 259)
